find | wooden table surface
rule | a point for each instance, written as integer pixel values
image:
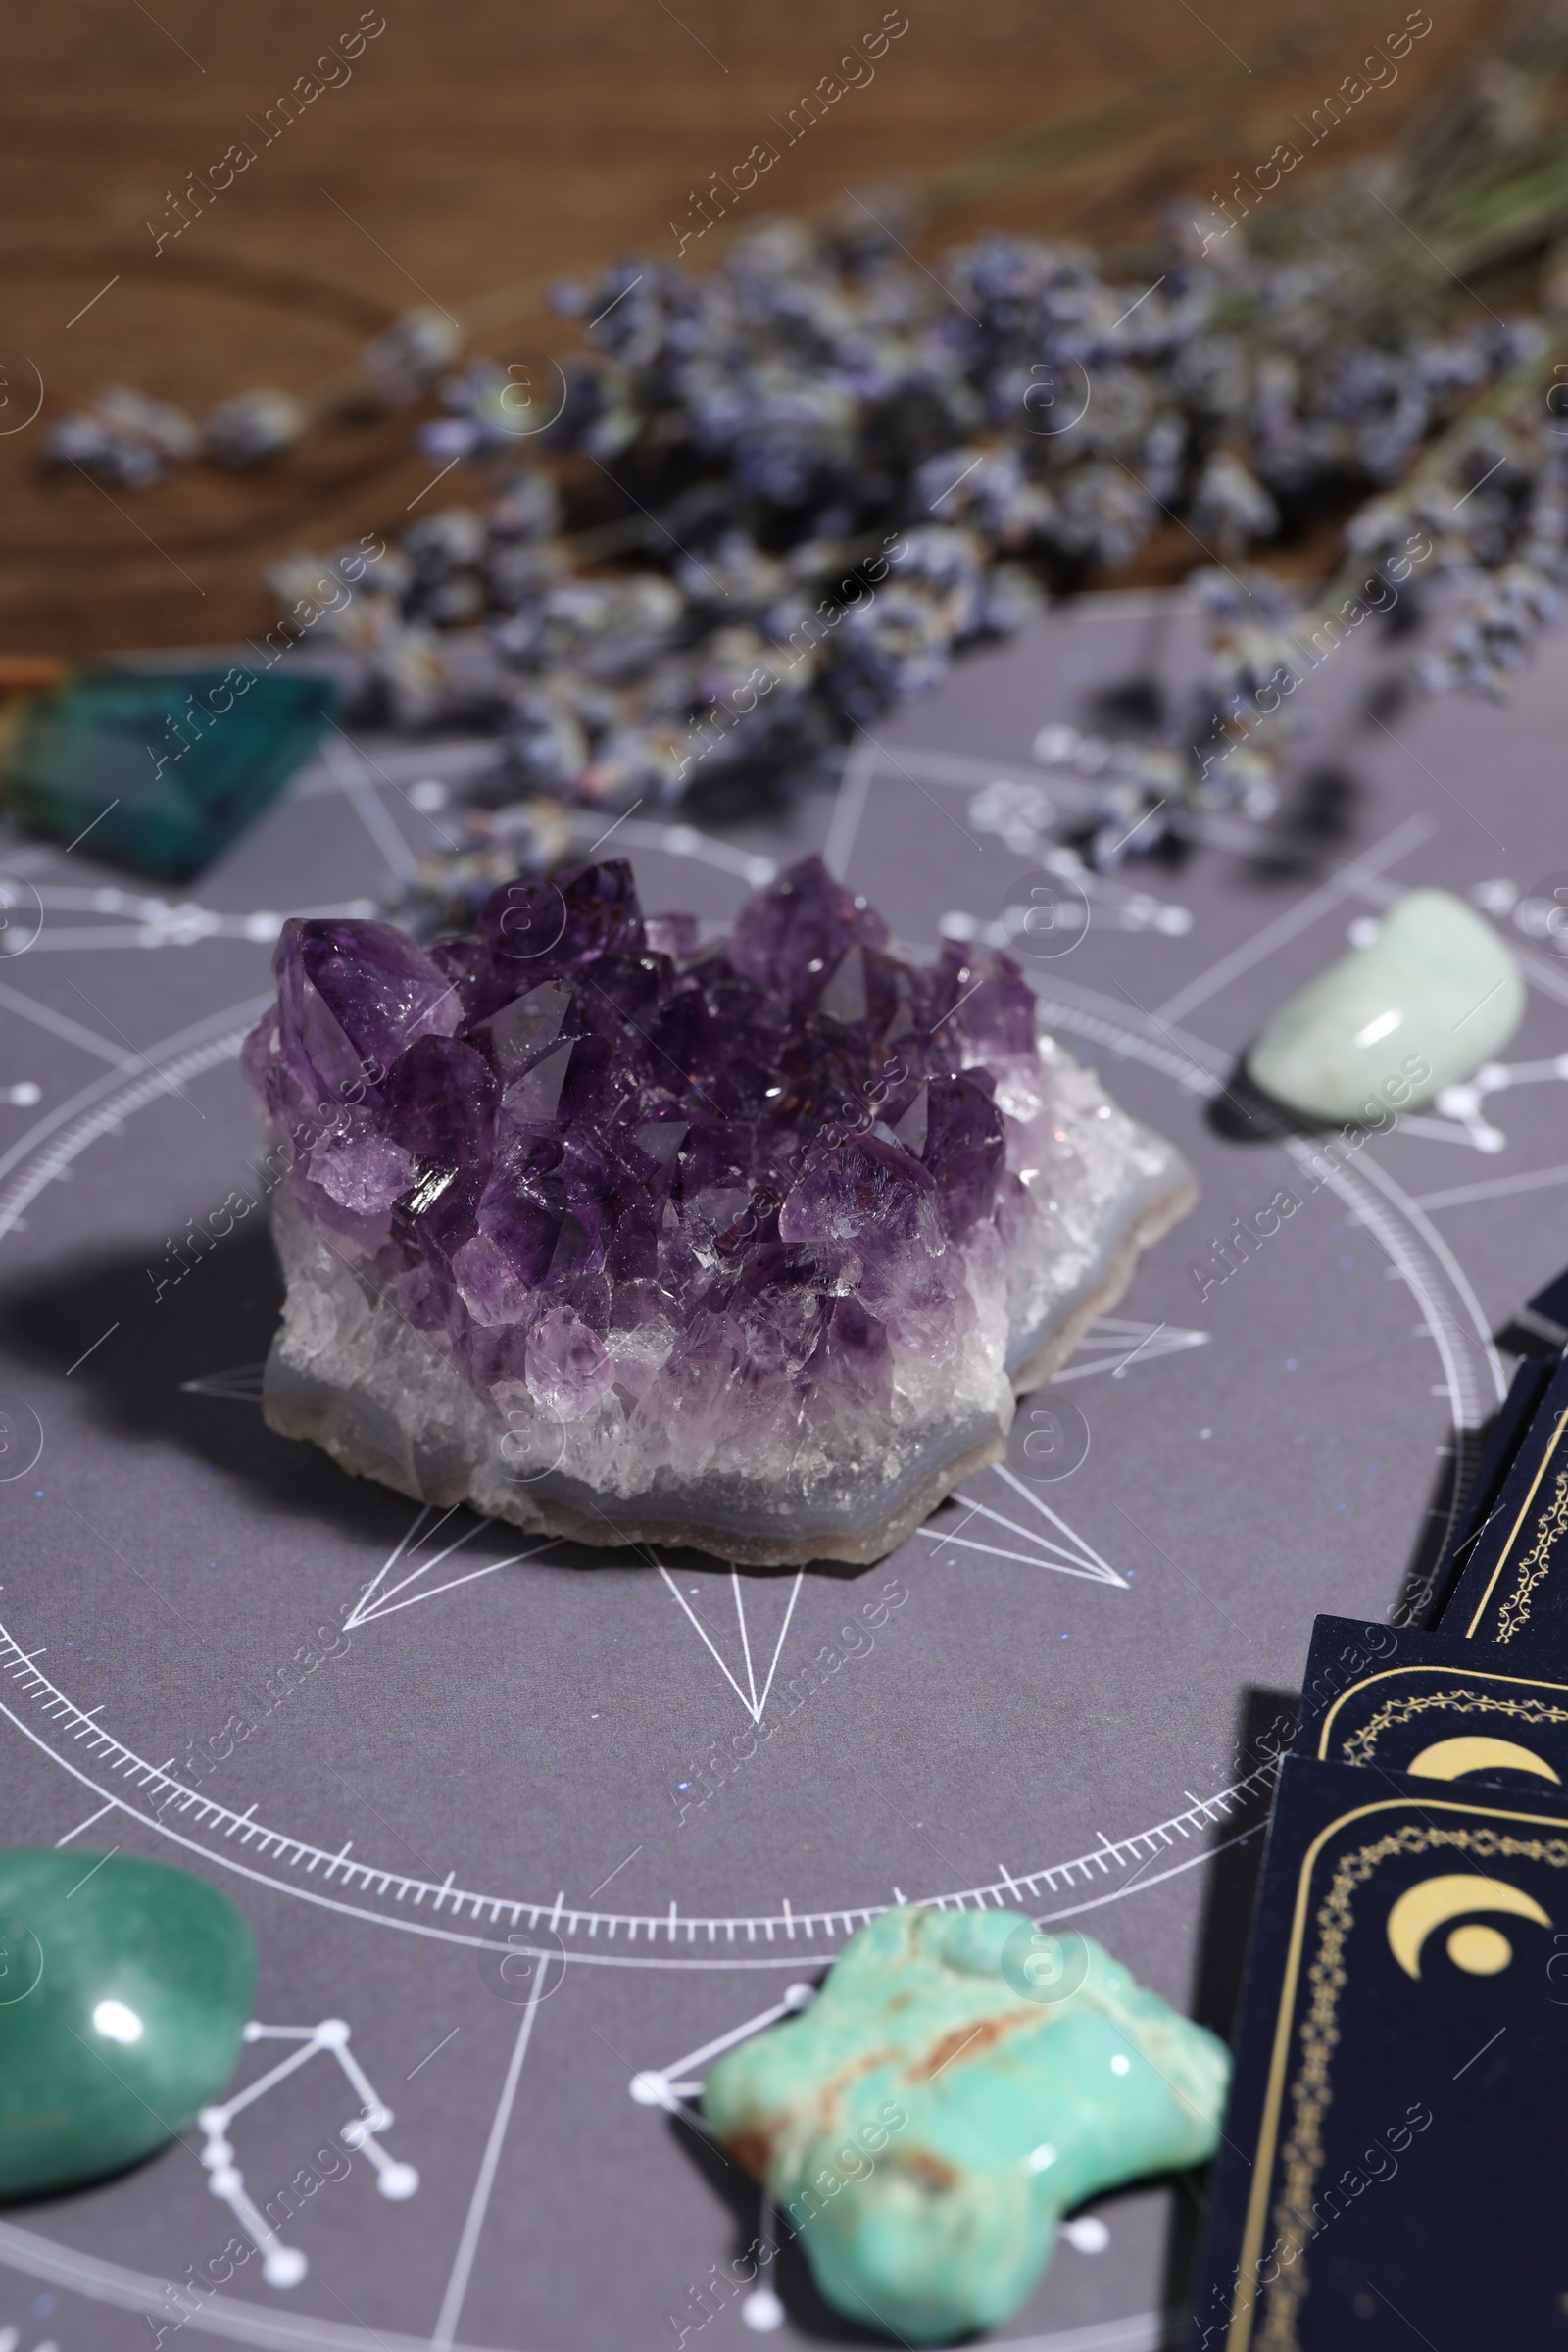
(474, 147)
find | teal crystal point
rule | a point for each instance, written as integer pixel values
(1425, 1004)
(961, 2080)
(124, 1988)
(161, 770)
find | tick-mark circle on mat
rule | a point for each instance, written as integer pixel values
(533, 396)
(1043, 916)
(1043, 1967)
(20, 392)
(1055, 1440)
(528, 1970)
(20, 1439)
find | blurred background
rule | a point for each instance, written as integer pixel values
(465, 159)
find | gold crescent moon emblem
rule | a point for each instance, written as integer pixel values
(1451, 1759)
(1479, 1950)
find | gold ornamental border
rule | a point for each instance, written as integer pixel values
(1301, 2156)
(1535, 1565)
(1459, 1698)
(1530, 1571)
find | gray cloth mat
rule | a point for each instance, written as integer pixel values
(1072, 1706)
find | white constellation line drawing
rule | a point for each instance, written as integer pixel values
(1463, 1105)
(1111, 1344)
(380, 1599)
(285, 2266)
(753, 1700)
(1066, 1551)
(666, 2087)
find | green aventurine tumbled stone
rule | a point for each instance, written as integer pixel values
(124, 1988)
(961, 2080)
(1431, 999)
(160, 770)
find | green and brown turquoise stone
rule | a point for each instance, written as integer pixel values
(960, 2083)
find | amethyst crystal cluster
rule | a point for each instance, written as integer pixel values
(746, 1245)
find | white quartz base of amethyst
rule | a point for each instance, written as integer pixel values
(750, 1250)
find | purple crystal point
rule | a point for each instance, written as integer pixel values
(533, 1098)
(673, 935)
(569, 1366)
(965, 1149)
(862, 1357)
(790, 935)
(864, 1195)
(378, 990)
(622, 1239)
(518, 1227)
(361, 1169)
(980, 1004)
(519, 1032)
(543, 925)
(351, 998)
(440, 1103)
(874, 1214)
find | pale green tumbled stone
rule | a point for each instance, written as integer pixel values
(961, 2080)
(1431, 999)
